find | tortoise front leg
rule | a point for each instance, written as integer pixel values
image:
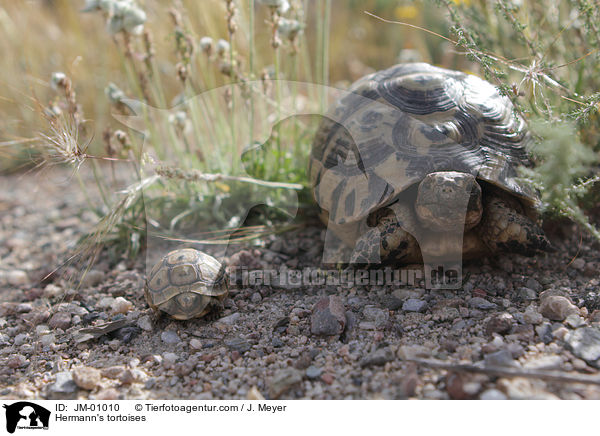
(504, 228)
(390, 238)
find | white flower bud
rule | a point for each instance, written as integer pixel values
(57, 79)
(206, 43)
(288, 28)
(222, 47)
(114, 93)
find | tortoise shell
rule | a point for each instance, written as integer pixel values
(396, 126)
(186, 283)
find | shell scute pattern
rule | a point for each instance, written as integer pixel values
(400, 124)
(186, 283)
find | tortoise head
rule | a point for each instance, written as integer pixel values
(449, 201)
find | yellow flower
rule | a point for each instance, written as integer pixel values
(467, 3)
(406, 12)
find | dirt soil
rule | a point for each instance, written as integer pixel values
(529, 327)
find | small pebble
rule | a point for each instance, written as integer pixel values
(585, 344)
(92, 278)
(557, 308)
(64, 388)
(238, 344)
(145, 323)
(527, 294)
(377, 315)
(20, 339)
(493, 394)
(501, 323)
(86, 377)
(17, 361)
(256, 298)
(17, 277)
(328, 317)
(313, 372)
(482, 303)
(196, 344)
(532, 315)
(121, 305)
(60, 320)
(168, 360)
(283, 381)
(230, 319)
(170, 337)
(414, 305)
(499, 358)
(378, 357)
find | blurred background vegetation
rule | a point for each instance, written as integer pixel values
(542, 54)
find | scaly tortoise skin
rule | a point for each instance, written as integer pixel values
(187, 283)
(410, 146)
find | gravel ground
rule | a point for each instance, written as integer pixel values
(515, 314)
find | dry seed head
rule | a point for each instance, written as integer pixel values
(121, 136)
(288, 29)
(228, 69)
(282, 6)
(58, 80)
(114, 93)
(231, 10)
(182, 72)
(179, 120)
(222, 47)
(206, 45)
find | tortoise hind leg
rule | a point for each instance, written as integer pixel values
(504, 228)
(390, 238)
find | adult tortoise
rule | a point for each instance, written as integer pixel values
(187, 283)
(415, 155)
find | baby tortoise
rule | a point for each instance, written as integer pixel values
(186, 284)
(419, 155)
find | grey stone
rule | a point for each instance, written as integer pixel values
(47, 340)
(557, 308)
(256, 298)
(527, 294)
(585, 344)
(145, 323)
(17, 277)
(20, 339)
(408, 352)
(313, 372)
(500, 323)
(482, 303)
(170, 337)
(532, 283)
(238, 344)
(169, 359)
(414, 305)
(328, 317)
(493, 394)
(86, 377)
(572, 320)
(544, 332)
(391, 302)
(378, 357)
(230, 319)
(60, 320)
(283, 381)
(92, 278)
(552, 362)
(532, 315)
(64, 388)
(196, 344)
(377, 315)
(499, 358)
